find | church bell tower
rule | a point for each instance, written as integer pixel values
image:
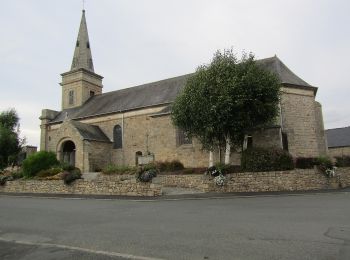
(81, 82)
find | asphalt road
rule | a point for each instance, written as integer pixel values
(312, 226)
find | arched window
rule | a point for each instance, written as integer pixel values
(117, 137)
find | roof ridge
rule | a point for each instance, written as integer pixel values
(143, 85)
(337, 128)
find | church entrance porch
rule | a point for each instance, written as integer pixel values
(68, 153)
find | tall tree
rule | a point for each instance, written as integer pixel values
(225, 98)
(10, 142)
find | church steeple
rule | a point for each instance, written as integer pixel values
(82, 58)
(81, 82)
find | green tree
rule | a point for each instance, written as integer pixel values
(10, 142)
(225, 98)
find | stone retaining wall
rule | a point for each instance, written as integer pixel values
(118, 185)
(295, 180)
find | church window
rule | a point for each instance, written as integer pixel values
(71, 97)
(88, 45)
(182, 137)
(117, 137)
(92, 93)
(77, 44)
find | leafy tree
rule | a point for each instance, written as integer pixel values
(10, 143)
(225, 98)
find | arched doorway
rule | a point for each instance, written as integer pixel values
(68, 153)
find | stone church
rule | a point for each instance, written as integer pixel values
(133, 125)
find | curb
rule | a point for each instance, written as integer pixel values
(198, 196)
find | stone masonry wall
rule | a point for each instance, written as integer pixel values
(119, 185)
(339, 151)
(308, 179)
(298, 121)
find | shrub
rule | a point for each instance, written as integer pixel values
(343, 161)
(39, 161)
(67, 167)
(150, 166)
(119, 169)
(49, 172)
(305, 162)
(174, 165)
(17, 174)
(69, 177)
(262, 159)
(324, 163)
(228, 168)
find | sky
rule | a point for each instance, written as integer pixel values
(140, 41)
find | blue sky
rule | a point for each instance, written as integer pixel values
(140, 41)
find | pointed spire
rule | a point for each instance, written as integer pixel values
(82, 54)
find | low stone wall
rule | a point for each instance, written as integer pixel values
(103, 185)
(295, 180)
(344, 176)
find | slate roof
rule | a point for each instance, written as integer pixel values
(286, 76)
(90, 132)
(160, 93)
(338, 137)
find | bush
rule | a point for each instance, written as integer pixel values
(324, 162)
(305, 162)
(174, 165)
(261, 159)
(343, 161)
(119, 169)
(67, 167)
(69, 177)
(228, 168)
(17, 174)
(39, 161)
(49, 172)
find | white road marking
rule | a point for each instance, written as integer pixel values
(74, 248)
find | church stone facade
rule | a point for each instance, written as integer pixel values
(127, 126)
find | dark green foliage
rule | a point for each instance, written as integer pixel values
(17, 174)
(343, 161)
(305, 162)
(225, 98)
(10, 143)
(48, 172)
(69, 177)
(260, 159)
(67, 167)
(228, 168)
(324, 162)
(166, 166)
(39, 161)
